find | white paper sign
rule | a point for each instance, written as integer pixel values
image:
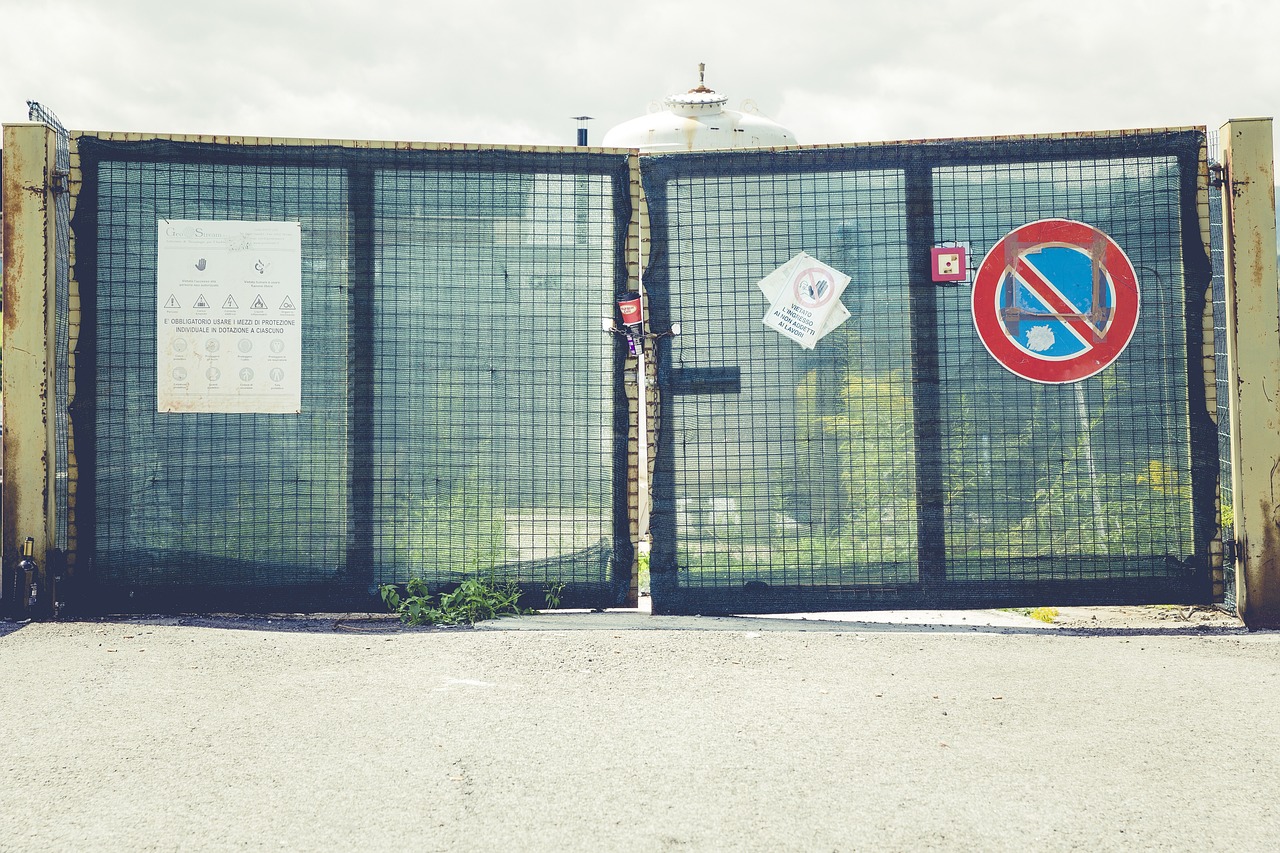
(804, 296)
(228, 316)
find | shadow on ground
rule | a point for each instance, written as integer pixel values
(1073, 621)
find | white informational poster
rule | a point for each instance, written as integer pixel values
(804, 299)
(229, 318)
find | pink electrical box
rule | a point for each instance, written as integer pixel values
(949, 263)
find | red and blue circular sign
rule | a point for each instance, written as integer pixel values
(1055, 301)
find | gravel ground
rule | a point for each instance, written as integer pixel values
(695, 734)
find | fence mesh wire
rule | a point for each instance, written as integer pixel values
(762, 471)
(1095, 473)
(898, 461)
(462, 411)
(1223, 386)
(62, 314)
(493, 381)
(458, 395)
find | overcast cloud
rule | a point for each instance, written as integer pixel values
(503, 71)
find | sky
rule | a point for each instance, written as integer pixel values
(499, 71)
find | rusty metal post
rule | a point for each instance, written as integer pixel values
(29, 160)
(1253, 358)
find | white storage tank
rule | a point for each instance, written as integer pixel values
(698, 121)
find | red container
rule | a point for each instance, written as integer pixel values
(630, 306)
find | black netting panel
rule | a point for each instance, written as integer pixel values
(224, 499)
(493, 420)
(459, 410)
(898, 463)
(800, 472)
(1096, 474)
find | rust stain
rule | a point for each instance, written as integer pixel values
(181, 405)
(13, 256)
(1260, 599)
(12, 499)
(690, 131)
(1260, 260)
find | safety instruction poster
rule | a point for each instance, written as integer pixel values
(804, 299)
(228, 316)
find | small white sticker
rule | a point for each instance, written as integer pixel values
(1040, 338)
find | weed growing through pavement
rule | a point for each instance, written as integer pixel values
(474, 600)
(553, 594)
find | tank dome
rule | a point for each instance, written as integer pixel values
(698, 121)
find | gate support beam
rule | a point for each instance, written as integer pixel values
(1253, 359)
(926, 402)
(29, 160)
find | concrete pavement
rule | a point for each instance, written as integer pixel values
(692, 734)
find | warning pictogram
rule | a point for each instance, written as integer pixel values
(1055, 301)
(217, 342)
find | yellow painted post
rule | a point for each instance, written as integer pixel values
(27, 366)
(1253, 358)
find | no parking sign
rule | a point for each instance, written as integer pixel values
(1055, 301)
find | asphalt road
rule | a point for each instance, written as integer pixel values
(594, 736)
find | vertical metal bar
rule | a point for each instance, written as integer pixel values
(664, 587)
(29, 156)
(926, 399)
(360, 208)
(1253, 362)
(1202, 432)
(83, 374)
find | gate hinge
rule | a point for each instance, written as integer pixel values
(1217, 175)
(59, 183)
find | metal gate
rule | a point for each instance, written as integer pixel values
(462, 413)
(898, 463)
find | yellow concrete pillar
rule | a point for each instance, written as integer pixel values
(1253, 356)
(29, 159)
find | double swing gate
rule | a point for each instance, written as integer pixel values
(464, 412)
